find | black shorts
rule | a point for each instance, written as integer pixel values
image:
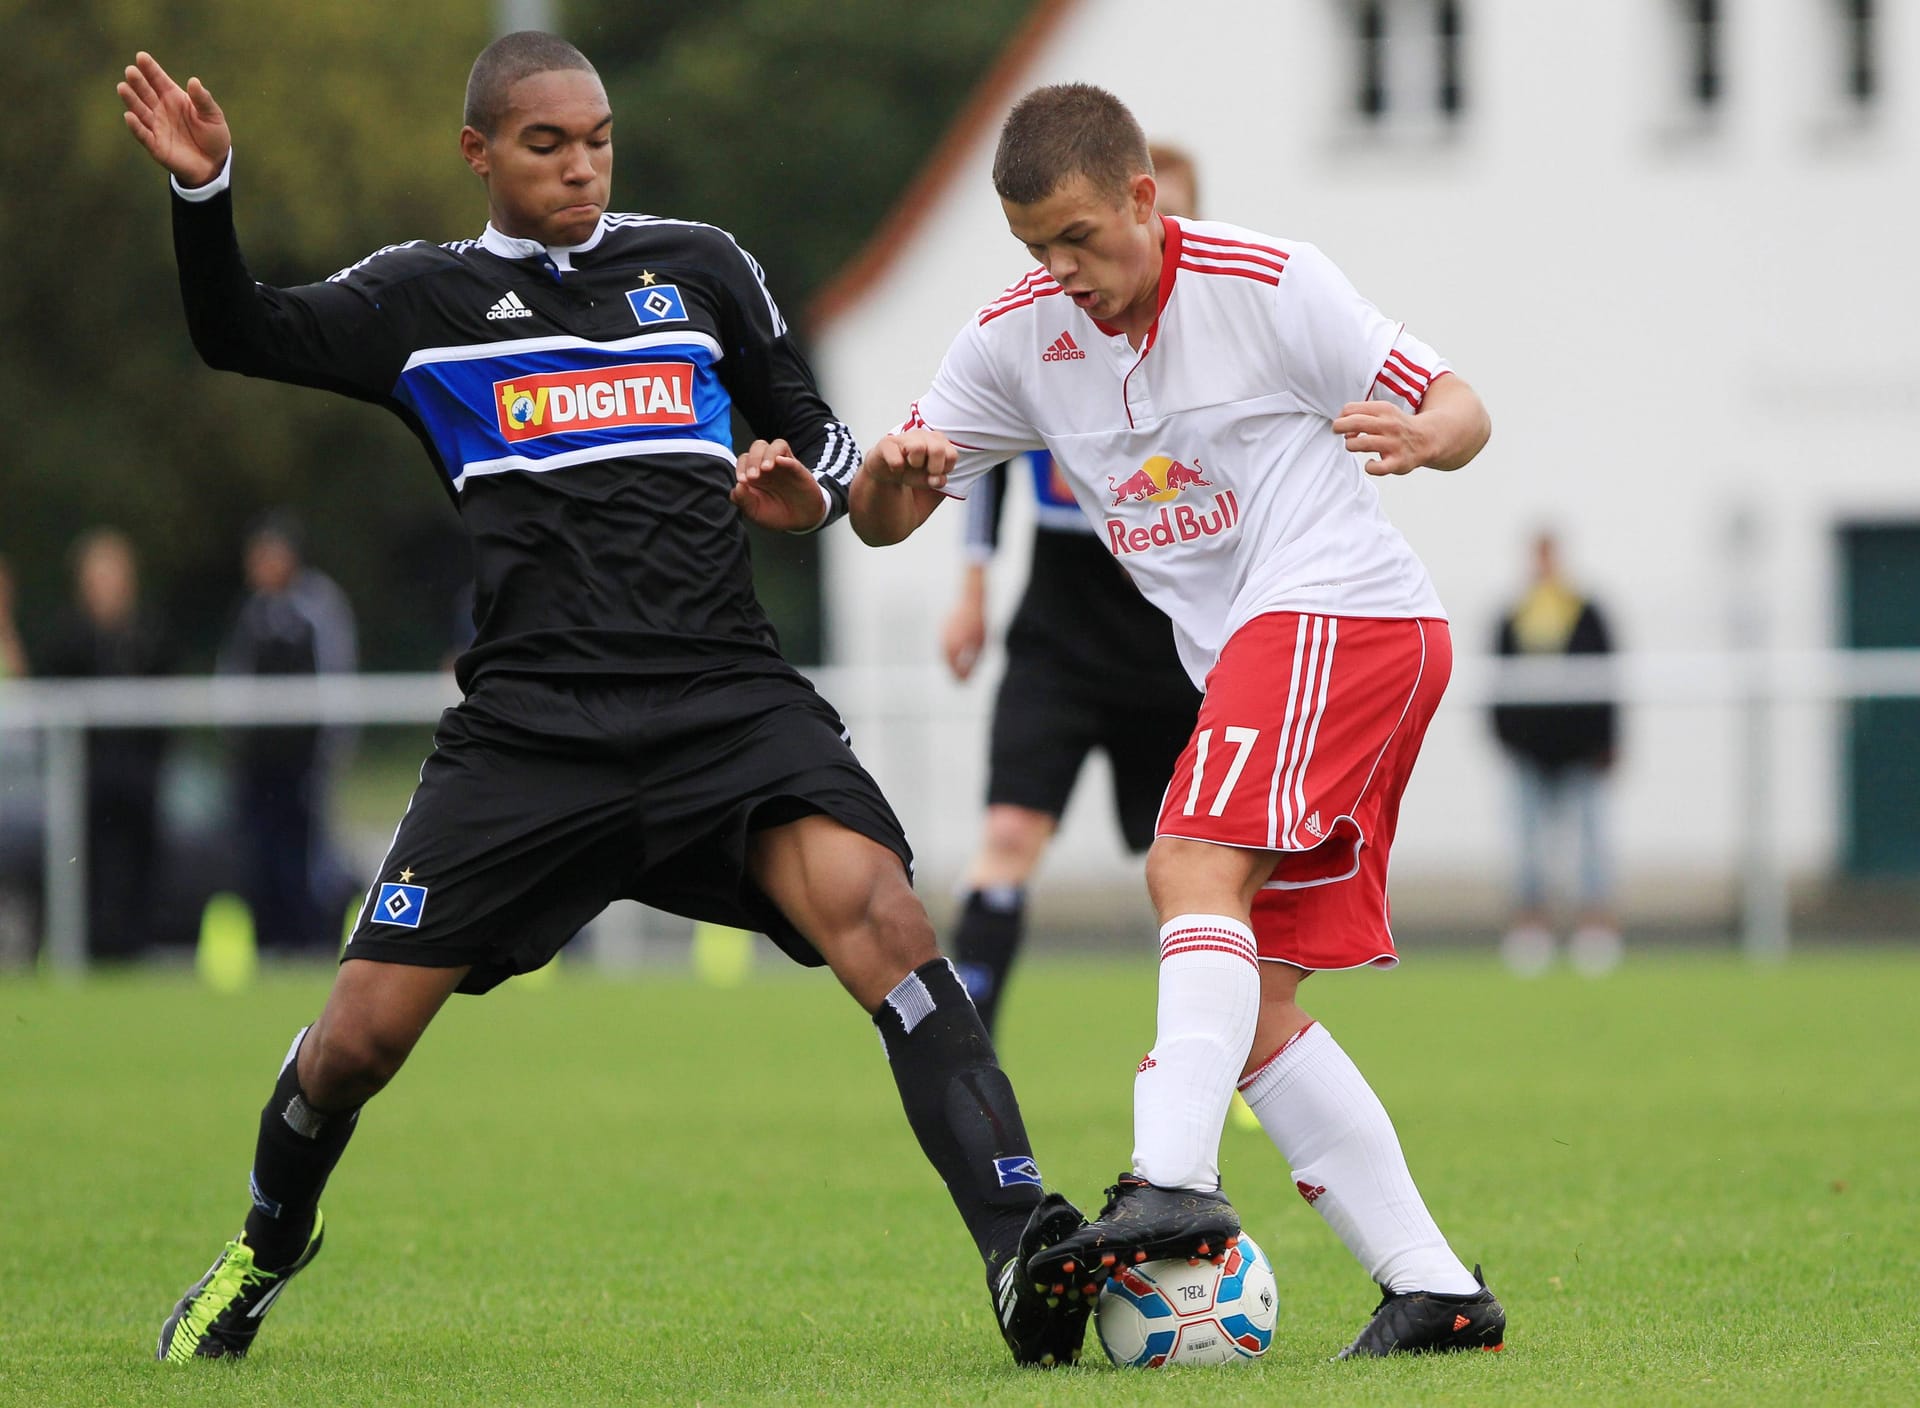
(1090, 664)
(547, 798)
(1043, 728)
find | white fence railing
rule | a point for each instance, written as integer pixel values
(896, 710)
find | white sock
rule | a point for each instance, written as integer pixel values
(1209, 999)
(1332, 1129)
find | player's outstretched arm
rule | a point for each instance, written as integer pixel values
(1449, 429)
(182, 129)
(336, 335)
(898, 486)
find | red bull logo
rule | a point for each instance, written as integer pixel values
(639, 393)
(1182, 523)
(1181, 477)
(1158, 480)
(1161, 480)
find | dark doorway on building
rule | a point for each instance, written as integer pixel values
(1880, 610)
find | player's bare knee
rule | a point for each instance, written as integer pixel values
(1199, 877)
(345, 1064)
(1163, 868)
(890, 937)
(902, 935)
(1014, 839)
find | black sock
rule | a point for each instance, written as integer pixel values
(961, 1105)
(296, 1152)
(991, 923)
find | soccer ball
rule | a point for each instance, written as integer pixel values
(1168, 1312)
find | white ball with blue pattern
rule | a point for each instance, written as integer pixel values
(1168, 1312)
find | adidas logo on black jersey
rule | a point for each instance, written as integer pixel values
(509, 307)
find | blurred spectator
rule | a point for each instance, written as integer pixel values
(19, 803)
(13, 656)
(1561, 756)
(107, 634)
(1177, 179)
(295, 620)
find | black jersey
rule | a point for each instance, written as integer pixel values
(577, 403)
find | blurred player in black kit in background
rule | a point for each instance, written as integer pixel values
(1090, 664)
(629, 727)
(294, 620)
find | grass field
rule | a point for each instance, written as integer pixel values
(1694, 1182)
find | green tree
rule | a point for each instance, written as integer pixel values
(790, 122)
(345, 120)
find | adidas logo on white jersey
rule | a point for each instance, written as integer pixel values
(509, 307)
(1064, 349)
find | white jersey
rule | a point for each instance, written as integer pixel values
(1206, 459)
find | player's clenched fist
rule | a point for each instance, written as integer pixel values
(182, 128)
(920, 458)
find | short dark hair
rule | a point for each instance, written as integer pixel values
(504, 63)
(1066, 130)
(280, 525)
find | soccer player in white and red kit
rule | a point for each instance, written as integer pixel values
(1207, 391)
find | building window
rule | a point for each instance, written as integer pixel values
(1704, 41)
(1370, 17)
(1447, 28)
(1858, 79)
(1411, 62)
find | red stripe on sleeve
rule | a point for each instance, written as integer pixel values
(1197, 238)
(1253, 274)
(1277, 264)
(1388, 378)
(1421, 373)
(1013, 305)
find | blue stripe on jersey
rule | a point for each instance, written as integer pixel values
(515, 409)
(1050, 488)
(1055, 506)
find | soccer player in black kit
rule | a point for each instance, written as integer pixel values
(628, 727)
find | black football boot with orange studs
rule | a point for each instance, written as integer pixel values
(1141, 1222)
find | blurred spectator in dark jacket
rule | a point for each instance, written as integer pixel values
(110, 633)
(1561, 756)
(13, 655)
(19, 804)
(295, 620)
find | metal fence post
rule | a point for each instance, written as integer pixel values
(65, 859)
(1763, 882)
(1764, 909)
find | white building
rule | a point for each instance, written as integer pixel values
(1670, 242)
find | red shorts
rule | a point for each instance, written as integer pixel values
(1305, 741)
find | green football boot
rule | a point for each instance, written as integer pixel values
(221, 1313)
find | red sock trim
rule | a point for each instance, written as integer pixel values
(1209, 938)
(1251, 1076)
